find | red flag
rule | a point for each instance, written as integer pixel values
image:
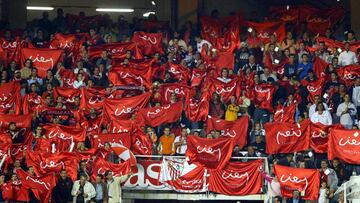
(121, 126)
(93, 97)
(197, 77)
(150, 42)
(128, 76)
(196, 110)
(348, 74)
(12, 49)
(83, 22)
(319, 137)
(40, 186)
(266, 29)
(180, 176)
(155, 116)
(44, 163)
(43, 59)
(177, 71)
(141, 143)
(287, 137)
(225, 90)
(68, 94)
(210, 29)
(65, 138)
(237, 179)
(69, 43)
(17, 151)
(100, 166)
(211, 153)
(306, 181)
(237, 130)
(344, 144)
(10, 98)
(285, 113)
(32, 102)
(315, 88)
(68, 77)
(320, 67)
(263, 95)
(19, 192)
(116, 50)
(22, 121)
(124, 139)
(125, 107)
(181, 91)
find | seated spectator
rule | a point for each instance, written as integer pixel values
(321, 115)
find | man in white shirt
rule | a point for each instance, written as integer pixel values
(114, 186)
(321, 116)
(180, 142)
(356, 93)
(346, 111)
(347, 57)
(313, 106)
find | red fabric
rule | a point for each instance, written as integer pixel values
(44, 163)
(43, 59)
(40, 186)
(68, 77)
(128, 76)
(125, 107)
(7, 191)
(315, 88)
(344, 144)
(319, 67)
(69, 43)
(306, 181)
(22, 121)
(155, 24)
(10, 97)
(211, 153)
(225, 90)
(237, 130)
(100, 166)
(141, 143)
(177, 71)
(319, 137)
(32, 102)
(237, 178)
(285, 113)
(196, 110)
(210, 29)
(64, 136)
(84, 22)
(181, 91)
(150, 43)
(155, 116)
(124, 139)
(12, 49)
(120, 126)
(263, 95)
(266, 29)
(197, 77)
(348, 74)
(68, 94)
(19, 192)
(287, 137)
(116, 50)
(92, 98)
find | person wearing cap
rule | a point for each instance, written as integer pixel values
(114, 186)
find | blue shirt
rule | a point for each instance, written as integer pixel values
(99, 192)
(304, 69)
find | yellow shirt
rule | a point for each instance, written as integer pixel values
(231, 112)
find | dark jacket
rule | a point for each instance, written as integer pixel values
(62, 191)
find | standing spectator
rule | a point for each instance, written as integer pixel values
(289, 43)
(290, 68)
(296, 198)
(217, 107)
(26, 70)
(347, 57)
(329, 176)
(34, 77)
(356, 94)
(254, 67)
(114, 186)
(346, 111)
(45, 23)
(181, 142)
(166, 143)
(232, 110)
(101, 190)
(82, 191)
(59, 23)
(104, 60)
(304, 67)
(62, 190)
(317, 100)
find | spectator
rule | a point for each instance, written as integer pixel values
(180, 142)
(296, 198)
(346, 111)
(232, 110)
(166, 143)
(290, 68)
(224, 76)
(34, 78)
(62, 190)
(329, 176)
(321, 115)
(304, 67)
(347, 57)
(82, 190)
(356, 94)
(257, 131)
(101, 190)
(26, 70)
(317, 100)
(114, 186)
(254, 67)
(217, 106)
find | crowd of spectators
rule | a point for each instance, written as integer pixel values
(183, 47)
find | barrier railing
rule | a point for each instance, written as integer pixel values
(145, 184)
